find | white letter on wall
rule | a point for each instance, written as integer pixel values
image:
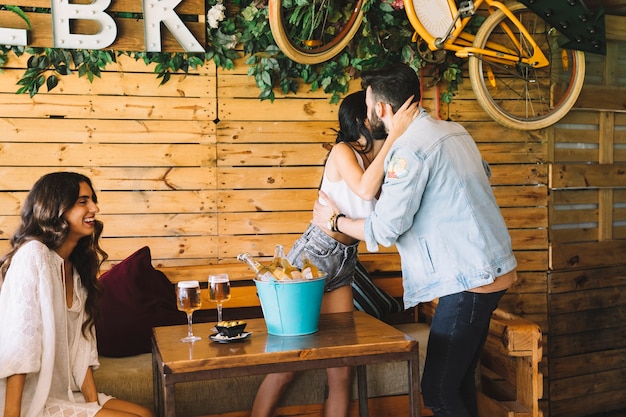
(157, 11)
(63, 12)
(14, 37)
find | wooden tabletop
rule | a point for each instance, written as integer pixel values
(341, 337)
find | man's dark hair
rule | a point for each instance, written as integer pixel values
(392, 84)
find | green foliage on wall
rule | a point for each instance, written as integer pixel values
(240, 28)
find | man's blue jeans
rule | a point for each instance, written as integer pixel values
(457, 335)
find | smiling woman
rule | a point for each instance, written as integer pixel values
(49, 299)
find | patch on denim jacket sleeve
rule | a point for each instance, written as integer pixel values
(397, 168)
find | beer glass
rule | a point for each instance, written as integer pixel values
(188, 300)
(219, 291)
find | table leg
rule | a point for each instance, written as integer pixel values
(361, 375)
(415, 409)
(157, 384)
(169, 401)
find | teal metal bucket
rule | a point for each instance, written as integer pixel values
(291, 308)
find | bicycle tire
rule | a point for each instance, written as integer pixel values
(533, 98)
(278, 15)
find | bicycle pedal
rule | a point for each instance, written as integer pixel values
(466, 9)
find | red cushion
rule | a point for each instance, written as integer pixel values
(136, 298)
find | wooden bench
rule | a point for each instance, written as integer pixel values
(510, 382)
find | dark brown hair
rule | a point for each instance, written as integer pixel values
(42, 220)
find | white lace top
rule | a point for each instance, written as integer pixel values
(42, 338)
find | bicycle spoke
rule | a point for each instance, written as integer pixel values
(519, 94)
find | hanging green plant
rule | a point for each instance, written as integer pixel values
(240, 28)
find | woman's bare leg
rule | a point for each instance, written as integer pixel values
(339, 383)
(339, 379)
(269, 393)
(120, 408)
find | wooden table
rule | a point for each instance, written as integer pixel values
(344, 339)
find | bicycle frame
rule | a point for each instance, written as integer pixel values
(460, 42)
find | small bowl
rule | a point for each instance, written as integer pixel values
(230, 328)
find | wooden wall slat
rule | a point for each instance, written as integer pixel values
(521, 196)
(129, 203)
(132, 84)
(291, 109)
(586, 342)
(108, 155)
(272, 177)
(190, 249)
(587, 363)
(277, 132)
(117, 178)
(105, 107)
(601, 98)
(575, 235)
(588, 175)
(250, 155)
(266, 200)
(586, 279)
(591, 299)
(586, 318)
(587, 254)
(28, 130)
(590, 403)
(159, 225)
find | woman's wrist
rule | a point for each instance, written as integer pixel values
(337, 217)
(331, 224)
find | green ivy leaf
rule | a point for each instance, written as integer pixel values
(20, 13)
(52, 82)
(384, 37)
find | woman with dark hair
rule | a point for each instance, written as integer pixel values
(48, 302)
(353, 173)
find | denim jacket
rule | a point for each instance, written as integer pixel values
(438, 207)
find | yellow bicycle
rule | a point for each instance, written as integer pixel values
(521, 75)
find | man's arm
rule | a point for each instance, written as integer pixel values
(325, 217)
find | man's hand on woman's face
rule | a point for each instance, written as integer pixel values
(322, 213)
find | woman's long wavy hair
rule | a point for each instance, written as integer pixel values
(352, 117)
(42, 220)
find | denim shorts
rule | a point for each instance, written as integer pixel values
(334, 258)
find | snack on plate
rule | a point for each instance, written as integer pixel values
(230, 328)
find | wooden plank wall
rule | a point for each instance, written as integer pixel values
(199, 169)
(587, 281)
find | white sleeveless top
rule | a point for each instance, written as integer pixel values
(348, 202)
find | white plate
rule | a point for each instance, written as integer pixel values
(216, 337)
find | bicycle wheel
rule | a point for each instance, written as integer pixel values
(519, 95)
(314, 31)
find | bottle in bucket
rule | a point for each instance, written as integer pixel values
(309, 270)
(276, 266)
(291, 271)
(262, 272)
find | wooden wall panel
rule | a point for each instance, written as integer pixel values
(587, 278)
(200, 169)
(150, 151)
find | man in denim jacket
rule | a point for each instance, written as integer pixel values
(438, 207)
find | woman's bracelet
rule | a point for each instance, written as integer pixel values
(336, 222)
